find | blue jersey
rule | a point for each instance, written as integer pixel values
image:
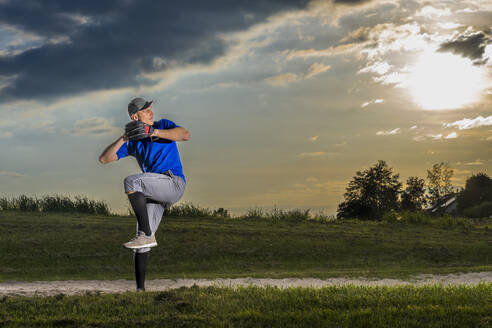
(156, 156)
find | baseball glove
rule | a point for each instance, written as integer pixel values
(136, 130)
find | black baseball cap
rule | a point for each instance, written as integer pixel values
(138, 104)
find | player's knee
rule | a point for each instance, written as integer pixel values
(129, 183)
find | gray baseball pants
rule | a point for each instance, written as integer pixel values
(161, 191)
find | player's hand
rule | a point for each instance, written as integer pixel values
(136, 130)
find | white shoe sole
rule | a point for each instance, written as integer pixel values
(141, 246)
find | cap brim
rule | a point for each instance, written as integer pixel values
(147, 104)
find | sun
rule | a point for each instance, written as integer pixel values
(440, 81)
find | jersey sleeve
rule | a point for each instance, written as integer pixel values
(123, 151)
(167, 124)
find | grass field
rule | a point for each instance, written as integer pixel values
(350, 306)
(58, 246)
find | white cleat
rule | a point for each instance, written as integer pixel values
(141, 241)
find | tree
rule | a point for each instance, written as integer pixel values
(371, 193)
(439, 181)
(413, 197)
(478, 189)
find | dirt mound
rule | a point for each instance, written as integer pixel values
(77, 287)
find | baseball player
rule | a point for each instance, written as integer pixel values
(161, 183)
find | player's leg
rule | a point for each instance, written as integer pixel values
(161, 188)
(138, 201)
(139, 205)
(141, 255)
(140, 260)
(134, 187)
(160, 191)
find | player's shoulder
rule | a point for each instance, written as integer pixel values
(165, 124)
(162, 120)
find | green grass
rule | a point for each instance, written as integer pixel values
(348, 306)
(61, 246)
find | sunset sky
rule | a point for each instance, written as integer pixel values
(284, 100)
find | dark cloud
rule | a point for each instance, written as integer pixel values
(52, 18)
(471, 46)
(112, 42)
(351, 2)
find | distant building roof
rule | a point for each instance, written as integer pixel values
(445, 204)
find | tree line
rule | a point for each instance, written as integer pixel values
(377, 190)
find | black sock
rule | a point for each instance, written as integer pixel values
(140, 268)
(139, 205)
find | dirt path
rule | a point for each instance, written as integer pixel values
(74, 287)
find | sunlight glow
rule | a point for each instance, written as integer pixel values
(444, 81)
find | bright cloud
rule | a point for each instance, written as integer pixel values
(316, 69)
(438, 136)
(432, 12)
(385, 133)
(394, 38)
(282, 79)
(379, 67)
(476, 162)
(435, 78)
(395, 78)
(435, 136)
(468, 123)
(313, 154)
(376, 101)
(331, 51)
(449, 25)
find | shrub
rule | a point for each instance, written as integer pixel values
(447, 222)
(408, 217)
(479, 211)
(189, 210)
(277, 214)
(254, 213)
(98, 207)
(221, 212)
(323, 218)
(25, 203)
(391, 216)
(415, 217)
(292, 215)
(82, 204)
(6, 204)
(57, 203)
(54, 203)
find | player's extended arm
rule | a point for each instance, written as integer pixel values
(109, 154)
(176, 134)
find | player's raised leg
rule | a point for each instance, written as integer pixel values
(138, 201)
